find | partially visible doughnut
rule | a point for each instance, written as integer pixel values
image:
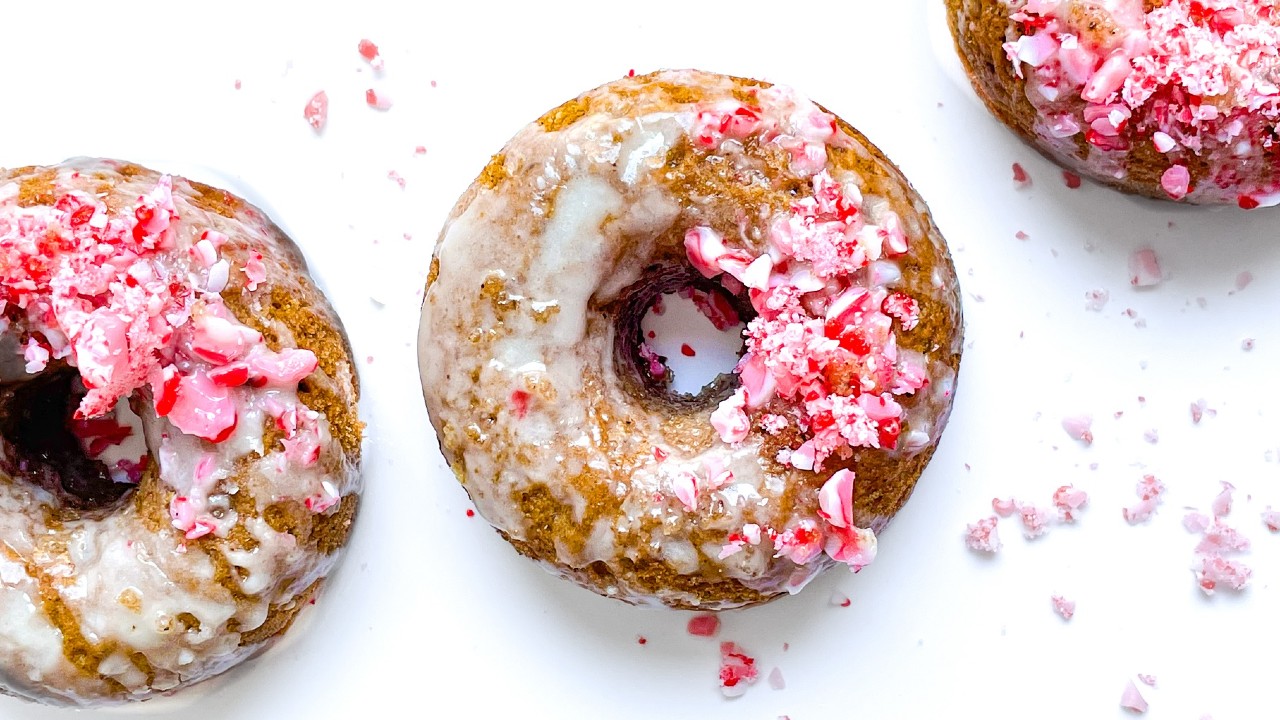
(179, 440)
(556, 415)
(1174, 99)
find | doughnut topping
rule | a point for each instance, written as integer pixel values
(1194, 79)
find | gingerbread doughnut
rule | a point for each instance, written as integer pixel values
(1175, 99)
(179, 441)
(559, 419)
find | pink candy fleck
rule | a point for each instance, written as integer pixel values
(1144, 268)
(316, 111)
(1064, 607)
(737, 670)
(982, 535)
(704, 625)
(1079, 427)
(1132, 700)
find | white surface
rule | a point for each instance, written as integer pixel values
(433, 609)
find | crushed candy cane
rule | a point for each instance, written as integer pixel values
(1149, 490)
(704, 625)
(1079, 427)
(1132, 700)
(1144, 268)
(737, 670)
(983, 536)
(824, 341)
(1149, 77)
(112, 294)
(1064, 607)
(316, 111)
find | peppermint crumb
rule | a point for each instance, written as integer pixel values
(396, 178)
(704, 625)
(1079, 427)
(737, 670)
(839, 599)
(1148, 680)
(1144, 268)
(1132, 700)
(1246, 344)
(776, 681)
(1021, 235)
(1064, 607)
(1149, 490)
(1096, 299)
(1020, 177)
(1243, 280)
(642, 640)
(316, 111)
(982, 535)
(1071, 179)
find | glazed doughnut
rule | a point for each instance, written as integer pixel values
(1173, 99)
(559, 419)
(179, 441)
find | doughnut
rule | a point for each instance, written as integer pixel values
(560, 420)
(1174, 99)
(179, 439)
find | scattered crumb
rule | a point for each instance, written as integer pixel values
(1148, 680)
(1131, 699)
(1035, 520)
(396, 178)
(1079, 427)
(1020, 177)
(839, 599)
(316, 111)
(1064, 607)
(1071, 179)
(1271, 519)
(1152, 436)
(642, 640)
(737, 670)
(982, 535)
(369, 51)
(1069, 499)
(1096, 299)
(704, 625)
(776, 681)
(1144, 268)
(377, 100)
(1243, 280)
(1149, 490)
(1021, 235)
(1246, 344)
(1004, 508)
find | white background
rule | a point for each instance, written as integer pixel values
(432, 614)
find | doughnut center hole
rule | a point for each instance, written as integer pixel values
(89, 464)
(696, 335)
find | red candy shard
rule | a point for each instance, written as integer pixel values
(704, 625)
(316, 111)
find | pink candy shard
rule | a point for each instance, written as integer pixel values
(737, 670)
(316, 111)
(776, 681)
(1149, 490)
(704, 625)
(1064, 607)
(982, 535)
(1079, 427)
(1144, 268)
(1176, 181)
(1132, 700)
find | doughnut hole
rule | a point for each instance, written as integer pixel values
(679, 337)
(42, 443)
